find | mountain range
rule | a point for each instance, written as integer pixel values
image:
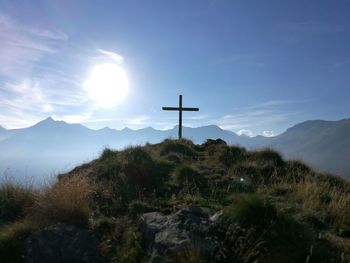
(51, 147)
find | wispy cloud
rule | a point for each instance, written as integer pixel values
(23, 45)
(110, 55)
(276, 103)
(23, 102)
(252, 119)
(11, 24)
(29, 100)
(249, 119)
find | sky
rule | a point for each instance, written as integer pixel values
(252, 67)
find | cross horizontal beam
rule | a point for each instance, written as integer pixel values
(183, 109)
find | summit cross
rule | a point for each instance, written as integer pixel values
(180, 109)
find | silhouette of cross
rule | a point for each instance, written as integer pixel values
(180, 109)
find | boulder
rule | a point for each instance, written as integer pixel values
(62, 243)
(210, 142)
(167, 236)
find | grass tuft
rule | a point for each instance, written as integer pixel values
(15, 199)
(67, 201)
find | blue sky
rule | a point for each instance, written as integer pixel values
(254, 67)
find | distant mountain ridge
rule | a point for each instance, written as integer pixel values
(322, 144)
(50, 147)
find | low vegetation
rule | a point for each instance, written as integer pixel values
(273, 210)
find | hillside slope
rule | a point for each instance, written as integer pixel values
(323, 144)
(52, 147)
(181, 202)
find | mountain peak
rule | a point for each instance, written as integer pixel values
(126, 129)
(48, 120)
(213, 126)
(149, 128)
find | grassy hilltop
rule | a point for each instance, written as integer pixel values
(273, 210)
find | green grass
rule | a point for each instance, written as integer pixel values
(250, 210)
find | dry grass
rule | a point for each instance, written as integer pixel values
(334, 202)
(66, 201)
(191, 254)
(341, 243)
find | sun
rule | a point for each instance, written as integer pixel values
(107, 84)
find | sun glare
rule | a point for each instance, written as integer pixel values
(107, 85)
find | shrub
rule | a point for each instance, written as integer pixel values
(110, 199)
(183, 147)
(267, 156)
(247, 171)
(189, 178)
(108, 169)
(163, 170)
(250, 210)
(15, 199)
(229, 155)
(67, 201)
(223, 186)
(256, 174)
(173, 157)
(108, 153)
(296, 171)
(139, 168)
(210, 142)
(125, 177)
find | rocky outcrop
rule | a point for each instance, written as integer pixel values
(210, 142)
(167, 236)
(62, 243)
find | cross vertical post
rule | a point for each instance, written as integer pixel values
(180, 109)
(180, 117)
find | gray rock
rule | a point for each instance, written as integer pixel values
(169, 235)
(62, 243)
(217, 216)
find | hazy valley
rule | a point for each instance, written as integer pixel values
(51, 147)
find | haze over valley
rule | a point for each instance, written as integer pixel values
(40, 152)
